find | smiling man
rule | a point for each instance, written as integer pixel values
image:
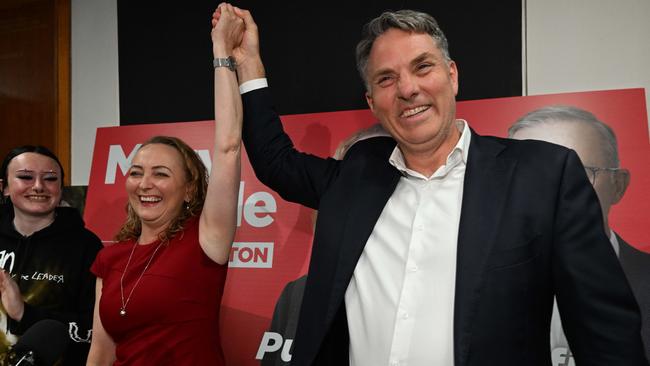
(439, 246)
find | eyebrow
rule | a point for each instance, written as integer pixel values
(153, 167)
(32, 171)
(161, 167)
(423, 57)
(419, 58)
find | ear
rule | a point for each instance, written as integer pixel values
(621, 182)
(370, 102)
(189, 192)
(453, 76)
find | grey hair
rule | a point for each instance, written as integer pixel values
(406, 20)
(564, 113)
(374, 130)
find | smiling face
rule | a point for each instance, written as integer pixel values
(412, 90)
(157, 186)
(33, 184)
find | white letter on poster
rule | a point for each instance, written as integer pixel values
(116, 157)
(271, 342)
(251, 209)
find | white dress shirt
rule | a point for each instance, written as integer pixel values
(253, 84)
(400, 300)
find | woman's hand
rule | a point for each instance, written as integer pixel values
(244, 47)
(12, 300)
(227, 31)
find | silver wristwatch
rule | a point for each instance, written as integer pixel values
(225, 62)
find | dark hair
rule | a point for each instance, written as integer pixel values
(38, 149)
(197, 178)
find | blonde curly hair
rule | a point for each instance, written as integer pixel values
(197, 178)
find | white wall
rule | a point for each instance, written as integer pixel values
(582, 45)
(94, 74)
(569, 45)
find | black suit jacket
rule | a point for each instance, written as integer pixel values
(636, 265)
(530, 227)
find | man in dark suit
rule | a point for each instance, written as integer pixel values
(597, 147)
(439, 246)
(287, 308)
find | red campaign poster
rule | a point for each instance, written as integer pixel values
(273, 240)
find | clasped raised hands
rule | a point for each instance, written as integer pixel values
(234, 33)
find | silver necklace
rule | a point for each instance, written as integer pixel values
(124, 303)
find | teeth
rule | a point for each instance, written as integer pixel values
(416, 110)
(150, 199)
(38, 198)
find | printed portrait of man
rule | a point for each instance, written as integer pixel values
(596, 145)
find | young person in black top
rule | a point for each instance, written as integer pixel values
(45, 254)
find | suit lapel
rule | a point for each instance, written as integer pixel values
(376, 185)
(487, 178)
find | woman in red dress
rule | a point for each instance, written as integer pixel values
(159, 288)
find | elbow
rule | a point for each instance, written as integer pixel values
(229, 146)
(232, 148)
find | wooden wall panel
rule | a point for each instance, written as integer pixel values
(34, 75)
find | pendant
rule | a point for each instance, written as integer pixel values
(122, 312)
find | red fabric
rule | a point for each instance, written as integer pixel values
(173, 314)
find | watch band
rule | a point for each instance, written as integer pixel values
(228, 62)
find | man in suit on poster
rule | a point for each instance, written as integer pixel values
(597, 147)
(439, 246)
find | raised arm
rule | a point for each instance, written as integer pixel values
(296, 176)
(219, 217)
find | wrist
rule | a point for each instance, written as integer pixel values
(18, 314)
(228, 62)
(250, 69)
(220, 51)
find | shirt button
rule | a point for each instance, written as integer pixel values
(405, 315)
(413, 268)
